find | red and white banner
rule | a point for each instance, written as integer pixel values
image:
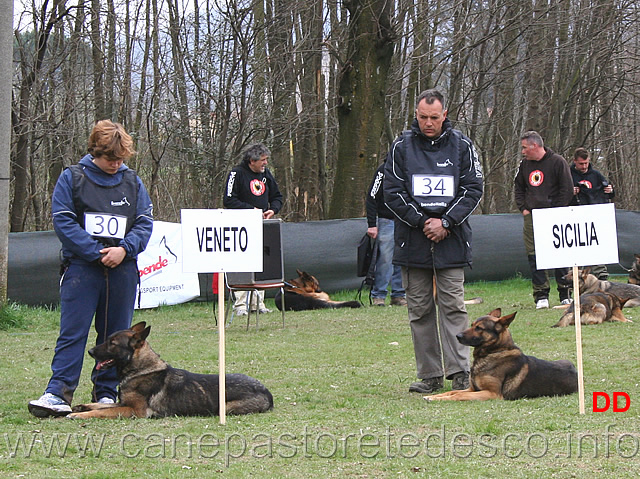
(160, 267)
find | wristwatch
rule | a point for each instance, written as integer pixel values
(445, 223)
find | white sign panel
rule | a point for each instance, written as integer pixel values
(160, 268)
(575, 236)
(222, 240)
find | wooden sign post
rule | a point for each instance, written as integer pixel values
(219, 241)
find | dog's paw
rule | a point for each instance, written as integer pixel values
(81, 408)
(427, 398)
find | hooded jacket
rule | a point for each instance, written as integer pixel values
(246, 190)
(543, 184)
(432, 178)
(68, 214)
(591, 184)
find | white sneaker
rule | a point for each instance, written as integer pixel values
(542, 304)
(264, 310)
(565, 301)
(49, 405)
(241, 312)
(106, 400)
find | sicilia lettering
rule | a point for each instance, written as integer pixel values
(572, 235)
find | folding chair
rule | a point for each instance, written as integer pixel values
(271, 276)
(253, 289)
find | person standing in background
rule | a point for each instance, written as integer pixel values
(380, 228)
(251, 185)
(590, 187)
(543, 180)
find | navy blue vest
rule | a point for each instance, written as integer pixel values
(118, 200)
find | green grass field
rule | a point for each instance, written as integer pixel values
(342, 408)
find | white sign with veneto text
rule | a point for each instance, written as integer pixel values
(221, 240)
(575, 236)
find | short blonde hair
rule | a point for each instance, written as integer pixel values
(110, 139)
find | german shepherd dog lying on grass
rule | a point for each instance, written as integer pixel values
(628, 294)
(303, 293)
(149, 387)
(595, 308)
(500, 370)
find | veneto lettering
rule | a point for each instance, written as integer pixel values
(223, 239)
(575, 235)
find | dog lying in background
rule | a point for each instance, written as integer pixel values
(149, 387)
(628, 294)
(303, 293)
(634, 273)
(500, 370)
(595, 308)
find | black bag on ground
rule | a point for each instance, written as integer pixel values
(367, 256)
(366, 250)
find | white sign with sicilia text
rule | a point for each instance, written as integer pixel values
(575, 236)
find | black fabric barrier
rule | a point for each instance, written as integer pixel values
(326, 249)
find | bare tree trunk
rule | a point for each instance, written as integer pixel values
(98, 63)
(110, 63)
(183, 127)
(361, 112)
(309, 147)
(281, 87)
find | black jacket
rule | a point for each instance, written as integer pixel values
(375, 200)
(424, 179)
(246, 189)
(543, 184)
(591, 186)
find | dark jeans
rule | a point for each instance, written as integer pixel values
(87, 290)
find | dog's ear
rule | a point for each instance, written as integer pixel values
(138, 327)
(496, 313)
(147, 330)
(140, 335)
(300, 273)
(506, 320)
(586, 270)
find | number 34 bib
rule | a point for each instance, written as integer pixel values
(433, 191)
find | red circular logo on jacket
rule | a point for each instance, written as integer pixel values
(536, 178)
(257, 187)
(586, 184)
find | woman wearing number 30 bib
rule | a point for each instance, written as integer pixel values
(103, 217)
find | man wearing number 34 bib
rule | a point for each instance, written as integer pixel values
(432, 184)
(103, 217)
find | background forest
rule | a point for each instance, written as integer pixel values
(326, 84)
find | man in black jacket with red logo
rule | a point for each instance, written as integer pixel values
(251, 185)
(432, 184)
(590, 187)
(543, 180)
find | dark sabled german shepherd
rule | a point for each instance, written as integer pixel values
(500, 370)
(149, 387)
(304, 293)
